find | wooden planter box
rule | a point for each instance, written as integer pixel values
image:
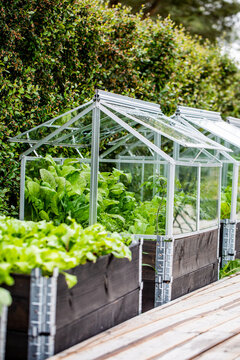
(186, 264)
(108, 292)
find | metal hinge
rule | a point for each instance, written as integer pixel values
(42, 315)
(163, 273)
(228, 242)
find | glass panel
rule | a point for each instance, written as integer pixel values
(76, 134)
(220, 129)
(198, 155)
(185, 200)
(155, 124)
(56, 189)
(209, 185)
(131, 198)
(226, 192)
(70, 115)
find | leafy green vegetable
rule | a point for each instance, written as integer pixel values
(230, 268)
(63, 190)
(5, 299)
(60, 191)
(226, 200)
(25, 245)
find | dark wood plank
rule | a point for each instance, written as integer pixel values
(194, 252)
(220, 242)
(194, 280)
(18, 312)
(149, 259)
(148, 295)
(102, 319)
(98, 284)
(148, 274)
(21, 286)
(16, 345)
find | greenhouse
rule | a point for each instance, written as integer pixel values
(131, 161)
(122, 163)
(212, 125)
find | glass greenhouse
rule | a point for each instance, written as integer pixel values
(212, 125)
(123, 163)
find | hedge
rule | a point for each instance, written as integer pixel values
(53, 53)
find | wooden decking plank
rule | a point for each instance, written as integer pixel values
(151, 315)
(204, 342)
(229, 349)
(178, 343)
(176, 320)
(163, 325)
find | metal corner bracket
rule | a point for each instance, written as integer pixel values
(42, 315)
(163, 271)
(228, 241)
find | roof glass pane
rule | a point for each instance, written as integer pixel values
(158, 123)
(116, 141)
(219, 128)
(62, 130)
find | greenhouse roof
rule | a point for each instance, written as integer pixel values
(140, 119)
(212, 122)
(234, 121)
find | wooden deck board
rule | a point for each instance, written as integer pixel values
(194, 326)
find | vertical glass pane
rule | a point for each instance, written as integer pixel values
(185, 200)
(131, 196)
(56, 189)
(209, 185)
(226, 191)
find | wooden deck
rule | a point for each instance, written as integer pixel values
(202, 325)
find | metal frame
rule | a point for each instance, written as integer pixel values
(3, 331)
(228, 241)
(139, 240)
(42, 315)
(233, 121)
(94, 164)
(163, 273)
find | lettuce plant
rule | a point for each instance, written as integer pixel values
(25, 245)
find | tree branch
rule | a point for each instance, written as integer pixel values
(152, 10)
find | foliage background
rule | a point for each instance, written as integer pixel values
(54, 53)
(212, 19)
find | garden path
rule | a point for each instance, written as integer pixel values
(202, 325)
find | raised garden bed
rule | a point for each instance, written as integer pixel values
(107, 293)
(183, 265)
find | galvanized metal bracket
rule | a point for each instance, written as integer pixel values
(163, 271)
(42, 315)
(140, 275)
(228, 241)
(3, 330)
